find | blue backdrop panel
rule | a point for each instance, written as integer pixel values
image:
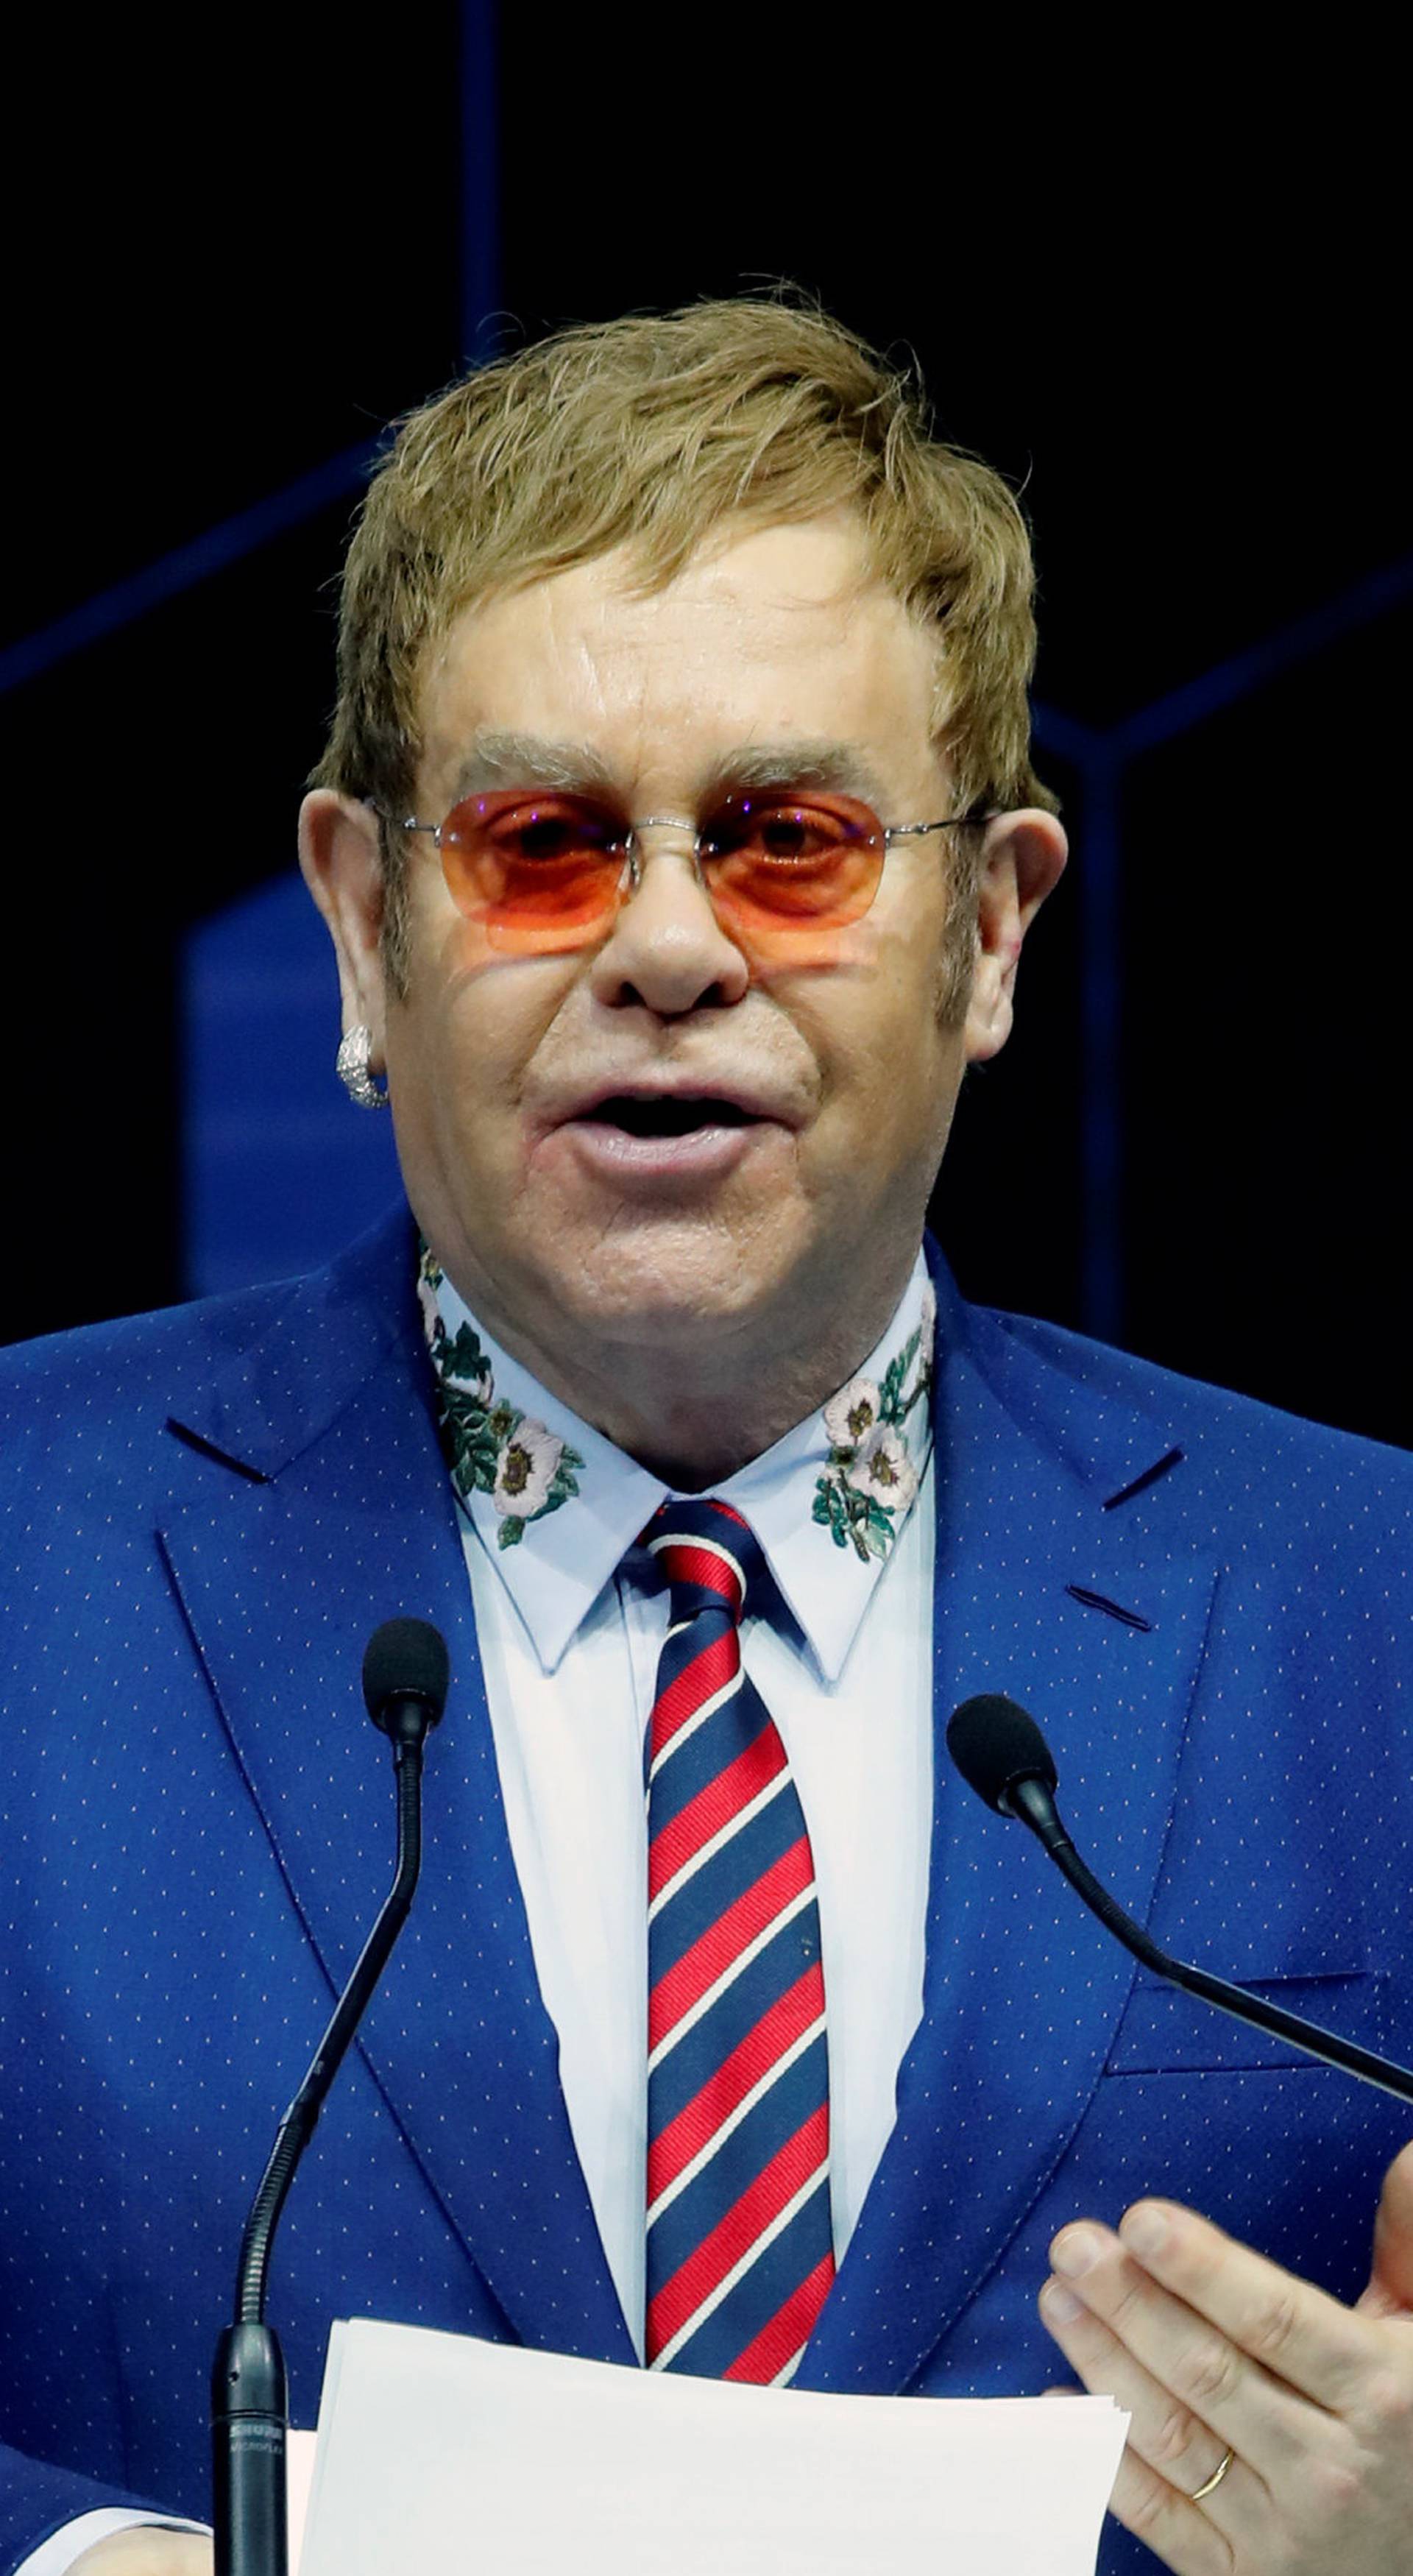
(278, 1167)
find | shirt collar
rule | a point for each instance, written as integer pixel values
(556, 1506)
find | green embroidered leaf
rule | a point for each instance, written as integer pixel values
(892, 1406)
(563, 1483)
(464, 1414)
(461, 1356)
(511, 1531)
(838, 1508)
(472, 1451)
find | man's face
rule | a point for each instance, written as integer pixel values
(658, 1136)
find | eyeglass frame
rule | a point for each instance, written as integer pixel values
(632, 859)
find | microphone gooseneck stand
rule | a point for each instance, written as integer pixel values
(405, 1685)
(1002, 1755)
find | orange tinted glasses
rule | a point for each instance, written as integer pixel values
(546, 869)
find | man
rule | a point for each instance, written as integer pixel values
(678, 841)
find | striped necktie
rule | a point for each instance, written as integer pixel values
(739, 2249)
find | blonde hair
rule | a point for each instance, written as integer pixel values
(652, 432)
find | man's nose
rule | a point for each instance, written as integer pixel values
(667, 950)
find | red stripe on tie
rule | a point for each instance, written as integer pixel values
(691, 1976)
(672, 2150)
(684, 1561)
(733, 2236)
(710, 1671)
(714, 1806)
(766, 2354)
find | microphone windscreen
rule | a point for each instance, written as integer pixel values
(405, 1659)
(994, 1743)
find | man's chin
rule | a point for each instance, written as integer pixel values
(668, 1284)
(664, 1310)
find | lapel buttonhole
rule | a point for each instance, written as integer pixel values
(1112, 1609)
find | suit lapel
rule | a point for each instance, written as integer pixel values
(1040, 1592)
(340, 1516)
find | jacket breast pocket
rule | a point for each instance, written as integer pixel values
(1165, 2031)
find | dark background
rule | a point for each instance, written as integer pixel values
(1167, 296)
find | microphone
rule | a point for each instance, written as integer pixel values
(405, 1675)
(1002, 1755)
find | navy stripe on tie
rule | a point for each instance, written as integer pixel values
(709, 2353)
(741, 2156)
(695, 1762)
(702, 1899)
(680, 2075)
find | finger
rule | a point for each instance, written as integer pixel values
(1390, 2290)
(1175, 2531)
(1271, 2427)
(1165, 2438)
(1294, 2331)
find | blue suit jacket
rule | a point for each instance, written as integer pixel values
(208, 1510)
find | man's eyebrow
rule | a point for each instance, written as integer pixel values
(508, 759)
(529, 760)
(840, 766)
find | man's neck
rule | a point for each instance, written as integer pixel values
(694, 1409)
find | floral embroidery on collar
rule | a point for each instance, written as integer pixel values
(877, 1431)
(490, 1447)
(865, 1492)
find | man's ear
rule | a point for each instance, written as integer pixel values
(341, 863)
(1022, 858)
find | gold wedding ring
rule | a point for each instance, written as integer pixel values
(1215, 2480)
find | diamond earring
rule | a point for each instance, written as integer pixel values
(351, 1066)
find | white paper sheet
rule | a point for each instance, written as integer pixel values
(442, 2456)
(299, 2477)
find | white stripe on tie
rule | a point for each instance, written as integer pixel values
(733, 2119)
(729, 1974)
(738, 2271)
(718, 1842)
(707, 1547)
(708, 1709)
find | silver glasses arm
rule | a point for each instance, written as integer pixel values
(947, 823)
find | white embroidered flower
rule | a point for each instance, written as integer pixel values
(428, 1282)
(920, 1372)
(884, 1470)
(525, 1470)
(852, 1414)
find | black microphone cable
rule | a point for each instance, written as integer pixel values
(1002, 1755)
(405, 1678)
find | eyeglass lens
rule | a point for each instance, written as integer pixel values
(541, 872)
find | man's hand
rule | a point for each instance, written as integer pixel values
(1213, 2349)
(147, 2551)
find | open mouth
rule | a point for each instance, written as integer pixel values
(681, 1115)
